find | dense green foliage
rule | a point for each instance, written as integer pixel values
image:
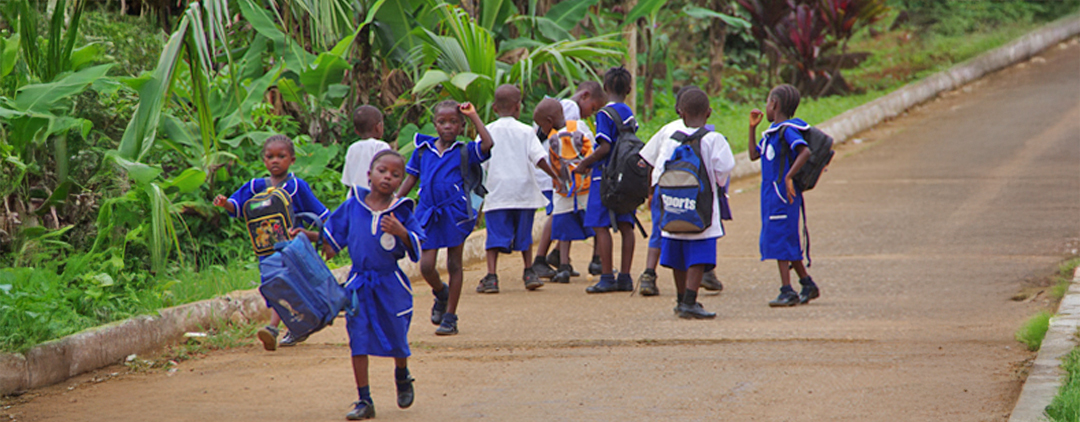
(1066, 405)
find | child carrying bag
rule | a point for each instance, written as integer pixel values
(567, 148)
(686, 193)
(299, 286)
(625, 182)
(268, 216)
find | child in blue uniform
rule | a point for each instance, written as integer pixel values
(617, 84)
(780, 203)
(278, 155)
(443, 209)
(378, 229)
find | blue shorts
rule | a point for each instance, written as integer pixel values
(569, 226)
(654, 236)
(509, 230)
(550, 205)
(597, 215)
(682, 254)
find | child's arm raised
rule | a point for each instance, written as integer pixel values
(804, 154)
(469, 111)
(755, 120)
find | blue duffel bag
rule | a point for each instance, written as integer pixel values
(300, 287)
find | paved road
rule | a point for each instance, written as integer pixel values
(921, 235)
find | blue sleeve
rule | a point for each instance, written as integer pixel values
(476, 154)
(336, 230)
(241, 196)
(793, 138)
(416, 234)
(413, 166)
(307, 202)
(605, 128)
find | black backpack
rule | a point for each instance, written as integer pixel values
(625, 181)
(821, 153)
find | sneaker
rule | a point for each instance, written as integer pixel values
(448, 326)
(710, 282)
(787, 297)
(488, 284)
(553, 258)
(437, 311)
(695, 311)
(268, 336)
(405, 393)
(809, 291)
(532, 282)
(288, 340)
(647, 283)
(564, 274)
(542, 269)
(624, 282)
(362, 410)
(594, 265)
(606, 284)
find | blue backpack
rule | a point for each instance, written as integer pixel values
(686, 193)
(300, 287)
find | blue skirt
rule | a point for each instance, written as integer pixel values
(779, 225)
(380, 313)
(443, 211)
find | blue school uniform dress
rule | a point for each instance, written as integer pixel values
(779, 217)
(443, 209)
(381, 297)
(596, 214)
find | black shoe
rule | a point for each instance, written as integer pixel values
(542, 269)
(787, 298)
(710, 282)
(363, 410)
(554, 259)
(448, 326)
(695, 311)
(564, 274)
(624, 283)
(405, 393)
(437, 311)
(606, 284)
(594, 266)
(532, 282)
(809, 291)
(289, 340)
(488, 284)
(268, 336)
(647, 284)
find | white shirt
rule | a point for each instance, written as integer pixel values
(510, 180)
(358, 161)
(661, 145)
(716, 154)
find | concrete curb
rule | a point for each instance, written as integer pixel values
(1046, 374)
(57, 360)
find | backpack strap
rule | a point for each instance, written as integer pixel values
(806, 233)
(617, 118)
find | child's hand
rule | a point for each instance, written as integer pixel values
(390, 224)
(220, 201)
(467, 109)
(790, 189)
(755, 117)
(581, 170)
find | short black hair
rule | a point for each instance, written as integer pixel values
(683, 90)
(280, 139)
(788, 96)
(447, 104)
(365, 118)
(383, 153)
(694, 103)
(594, 89)
(507, 96)
(618, 80)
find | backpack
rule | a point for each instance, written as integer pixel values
(567, 148)
(686, 192)
(473, 177)
(821, 153)
(268, 216)
(625, 181)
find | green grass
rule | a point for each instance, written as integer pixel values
(1064, 278)
(1066, 405)
(1033, 330)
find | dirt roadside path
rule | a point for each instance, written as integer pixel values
(921, 234)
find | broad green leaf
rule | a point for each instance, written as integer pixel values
(142, 128)
(644, 8)
(429, 80)
(284, 46)
(41, 97)
(187, 181)
(87, 54)
(328, 69)
(59, 194)
(312, 159)
(463, 80)
(257, 138)
(568, 13)
(552, 31)
(290, 90)
(703, 13)
(406, 135)
(254, 96)
(139, 172)
(9, 54)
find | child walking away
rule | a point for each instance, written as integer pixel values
(513, 193)
(368, 125)
(378, 229)
(447, 171)
(661, 145)
(568, 143)
(277, 154)
(689, 208)
(617, 84)
(781, 201)
(588, 98)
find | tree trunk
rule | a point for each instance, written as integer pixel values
(717, 37)
(632, 48)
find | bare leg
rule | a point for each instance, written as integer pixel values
(493, 261)
(427, 268)
(800, 269)
(401, 362)
(603, 248)
(652, 260)
(564, 251)
(453, 267)
(680, 281)
(785, 272)
(525, 255)
(627, 258)
(545, 240)
(360, 370)
(275, 320)
(693, 277)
